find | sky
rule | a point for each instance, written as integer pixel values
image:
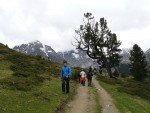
(53, 22)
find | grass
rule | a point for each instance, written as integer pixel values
(124, 101)
(98, 108)
(46, 98)
(30, 84)
(4, 69)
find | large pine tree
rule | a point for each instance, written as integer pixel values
(138, 63)
(99, 42)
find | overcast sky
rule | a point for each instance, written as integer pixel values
(53, 22)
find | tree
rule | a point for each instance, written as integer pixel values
(98, 42)
(7, 46)
(138, 63)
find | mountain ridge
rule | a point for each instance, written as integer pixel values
(74, 57)
(37, 48)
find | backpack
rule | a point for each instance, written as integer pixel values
(89, 75)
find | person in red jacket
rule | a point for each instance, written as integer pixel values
(83, 77)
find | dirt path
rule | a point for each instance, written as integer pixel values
(105, 99)
(84, 101)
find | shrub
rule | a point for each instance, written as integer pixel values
(75, 74)
(123, 75)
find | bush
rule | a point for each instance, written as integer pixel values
(123, 75)
(75, 74)
(116, 73)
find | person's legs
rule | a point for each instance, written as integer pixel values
(67, 85)
(84, 81)
(88, 82)
(79, 79)
(63, 85)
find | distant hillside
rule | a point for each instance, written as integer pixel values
(77, 58)
(36, 48)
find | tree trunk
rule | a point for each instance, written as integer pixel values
(108, 68)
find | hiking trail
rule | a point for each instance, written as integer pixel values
(105, 99)
(84, 101)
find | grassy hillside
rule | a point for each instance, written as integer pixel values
(29, 84)
(129, 96)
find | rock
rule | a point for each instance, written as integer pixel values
(56, 94)
(69, 105)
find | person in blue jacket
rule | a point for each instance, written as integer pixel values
(65, 76)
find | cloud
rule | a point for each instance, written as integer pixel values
(53, 22)
(134, 36)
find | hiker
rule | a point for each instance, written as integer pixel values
(83, 77)
(65, 76)
(89, 76)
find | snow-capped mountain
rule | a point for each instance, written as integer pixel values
(147, 53)
(77, 58)
(80, 58)
(125, 53)
(125, 59)
(74, 57)
(37, 48)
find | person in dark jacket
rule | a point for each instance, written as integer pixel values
(65, 76)
(89, 76)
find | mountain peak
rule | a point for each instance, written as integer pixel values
(148, 51)
(37, 48)
(126, 50)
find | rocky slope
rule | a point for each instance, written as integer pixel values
(76, 58)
